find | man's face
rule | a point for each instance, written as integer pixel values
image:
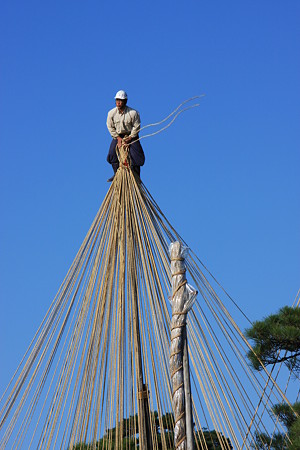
(120, 104)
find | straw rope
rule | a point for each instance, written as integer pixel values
(81, 376)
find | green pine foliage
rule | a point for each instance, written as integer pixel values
(294, 433)
(265, 442)
(286, 414)
(276, 339)
(212, 440)
(282, 441)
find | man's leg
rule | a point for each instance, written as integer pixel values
(112, 158)
(137, 170)
(137, 156)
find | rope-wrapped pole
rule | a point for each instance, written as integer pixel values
(183, 297)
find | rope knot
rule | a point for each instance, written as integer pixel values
(123, 156)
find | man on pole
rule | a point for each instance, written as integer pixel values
(124, 123)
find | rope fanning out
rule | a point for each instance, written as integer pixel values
(175, 113)
(98, 366)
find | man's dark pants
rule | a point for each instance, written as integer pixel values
(136, 152)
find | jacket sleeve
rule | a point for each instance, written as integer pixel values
(111, 126)
(136, 125)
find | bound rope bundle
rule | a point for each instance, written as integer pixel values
(182, 300)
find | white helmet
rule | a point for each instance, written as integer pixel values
(121, 95)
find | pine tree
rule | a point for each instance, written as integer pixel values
(276, 339)
(209, 439)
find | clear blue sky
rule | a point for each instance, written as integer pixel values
(226, 174)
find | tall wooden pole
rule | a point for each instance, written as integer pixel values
(187, 393)
(143, 403)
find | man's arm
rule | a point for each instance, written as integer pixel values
(136, 125)
(111, 126)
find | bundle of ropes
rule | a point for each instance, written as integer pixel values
(98, 367)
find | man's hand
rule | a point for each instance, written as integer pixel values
(120, 141)
(127, 140)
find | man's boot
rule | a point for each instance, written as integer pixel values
(115, 167)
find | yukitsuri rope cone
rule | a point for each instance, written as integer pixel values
(96, 373)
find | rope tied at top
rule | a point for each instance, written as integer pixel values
(123, 156)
